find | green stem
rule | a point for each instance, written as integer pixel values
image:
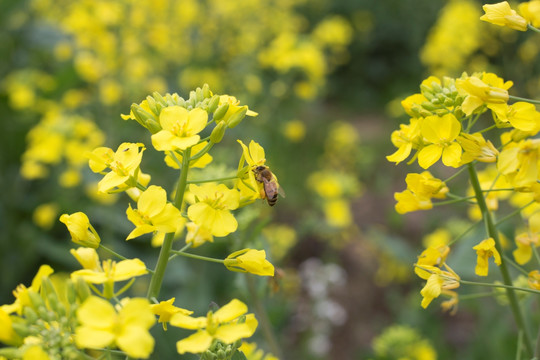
(458, 200)
(507, 280)
(112, 252)
(456, 174)
(476, 296)
(500, 286)
(163, 259)
(198, 257)
(523, 99)
(530, 27)
(514, 213)
(212, 180)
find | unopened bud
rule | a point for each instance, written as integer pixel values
(159, 99)
(152, 104)
(206, 91)
(221, 111)
(219, 131)
(30, 315)
(213, 103)
(237, 117)
(83, 291)
(199, 95)
(153, 126)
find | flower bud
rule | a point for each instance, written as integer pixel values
(199, 95)
(221, 111)
(83, 291)
(219, 131)
(237, 117)
(159, 99)
(82, 232)
(213, 104)
(152, 104)
(71, 293)
(153, 126)
(31, 317)
(206, 91)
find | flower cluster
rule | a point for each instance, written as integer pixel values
(95, 314)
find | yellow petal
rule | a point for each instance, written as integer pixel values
(229, 333)
(127, 269)
(188, 322)
(163, 140)
(152, 201)
(230, 311)
(451, 155)
(92, 338)
(429, 155)
(97, 313)
(197, 121)
(196, 343)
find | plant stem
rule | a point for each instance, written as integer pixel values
(212, 180)
(524, 99)
(199, 257)
(507, 280)
(500, 286)
(163, 259)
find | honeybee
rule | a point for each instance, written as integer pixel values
(270, 184)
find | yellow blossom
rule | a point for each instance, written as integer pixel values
(124, 164)
(521, 115)
(475, 147)
(174, 160)
(421, 188)
(45, 215)
(525, 243)
(165, 310)
(484, 250)
(35, 352)
(530, 10)
(154, 213)
(251, 261)
(197, 235)
(22, 298)
(407, 138)
(228, 324)
(490, 89)
(440, 133)
(519, 162)
(180, 128)
(101, 326)
(432, 256)
(501, 14)
(438, 281)
(534, 279)
(212, 209)
(82, 232)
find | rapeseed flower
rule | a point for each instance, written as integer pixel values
(197, 235)
(438, 281)
(503, 15)
(124, 164)
(475, 147)
(212, 209)
(165, 310)
(228, 324)
(440, 133)
(519, 162)
(251, 261)
(521, 115)
(489, 89)
(484, 250)
(421, 188)
(102, 326)
(154, 213)
(180, 128)
(530, 10)
(82, 232)
(407, 138)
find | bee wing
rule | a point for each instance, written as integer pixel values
(280, 189)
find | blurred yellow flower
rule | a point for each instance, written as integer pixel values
(82, 232)
(197, 235)
(484, 250)
(501, 14)
(251, 261)
(101, 326)
(45, 215)
(228, 324)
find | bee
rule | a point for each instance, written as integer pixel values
(270, 184)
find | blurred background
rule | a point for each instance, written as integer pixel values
(326, 78)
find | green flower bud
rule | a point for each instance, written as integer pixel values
(141, 115)
(221, 111)
(199, 95)
(152, 104)
(213, 104)
(237, 117)
(448, 102)
(159, 99)
(35, 299)
(206, 91)
(30, 315)
(219, 131)
(83, 291)
(71, 293)
(424, 113)
(429, 106)
(153, 126)
(11, 353)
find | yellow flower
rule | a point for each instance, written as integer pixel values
(225, 325)
(22, 298)
(7, 334)
(441, 132)
(124, 164)
(521, 115)
(106, 273)
(212, 209)
(45, 215)
(438, 281)
(180, 128)
(484, 250)
(488, 90)
(534, 279)
(432, 256)
(165, 310)
(477, 148)
(154, 213)
(101, 326)
(251, 261)
(82, 232)
(519, 162)
(35, 352)
(525, 242)
(337, 213)
(421, 188)
(197, 235)
(233, 116)
(501, 14)
(530, 10)
(408, 137)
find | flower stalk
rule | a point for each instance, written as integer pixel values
(163, 259)
(507, 280)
